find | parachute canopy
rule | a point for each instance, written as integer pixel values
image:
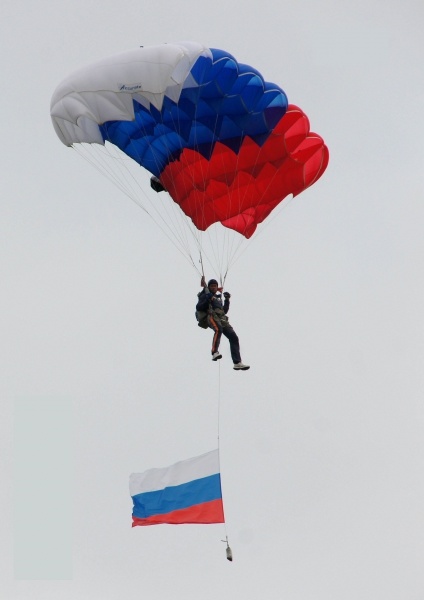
(222, 141)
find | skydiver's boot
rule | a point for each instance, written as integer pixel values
(216, 356)
(241, 367)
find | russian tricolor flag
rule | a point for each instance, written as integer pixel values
(187, 492)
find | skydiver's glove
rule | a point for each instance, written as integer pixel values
(209, 295)
(227, 295)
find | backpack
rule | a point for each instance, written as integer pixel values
(201, 316)
(202, 319)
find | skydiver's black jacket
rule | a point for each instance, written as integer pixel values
(206, 300)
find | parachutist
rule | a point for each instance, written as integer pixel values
(211, 313)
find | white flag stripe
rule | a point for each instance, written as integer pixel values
(177, 474)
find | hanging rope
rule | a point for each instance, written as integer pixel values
(228, 549)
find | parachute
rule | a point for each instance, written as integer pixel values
(224, 143)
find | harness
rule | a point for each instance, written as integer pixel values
(202, 316)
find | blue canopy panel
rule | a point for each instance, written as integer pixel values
(231, 101)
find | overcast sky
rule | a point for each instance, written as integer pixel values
(104, 372)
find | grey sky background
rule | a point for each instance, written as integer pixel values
(322, 440)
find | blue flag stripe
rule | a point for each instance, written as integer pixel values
(172, 498)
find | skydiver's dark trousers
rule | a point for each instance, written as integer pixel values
(222, 326)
